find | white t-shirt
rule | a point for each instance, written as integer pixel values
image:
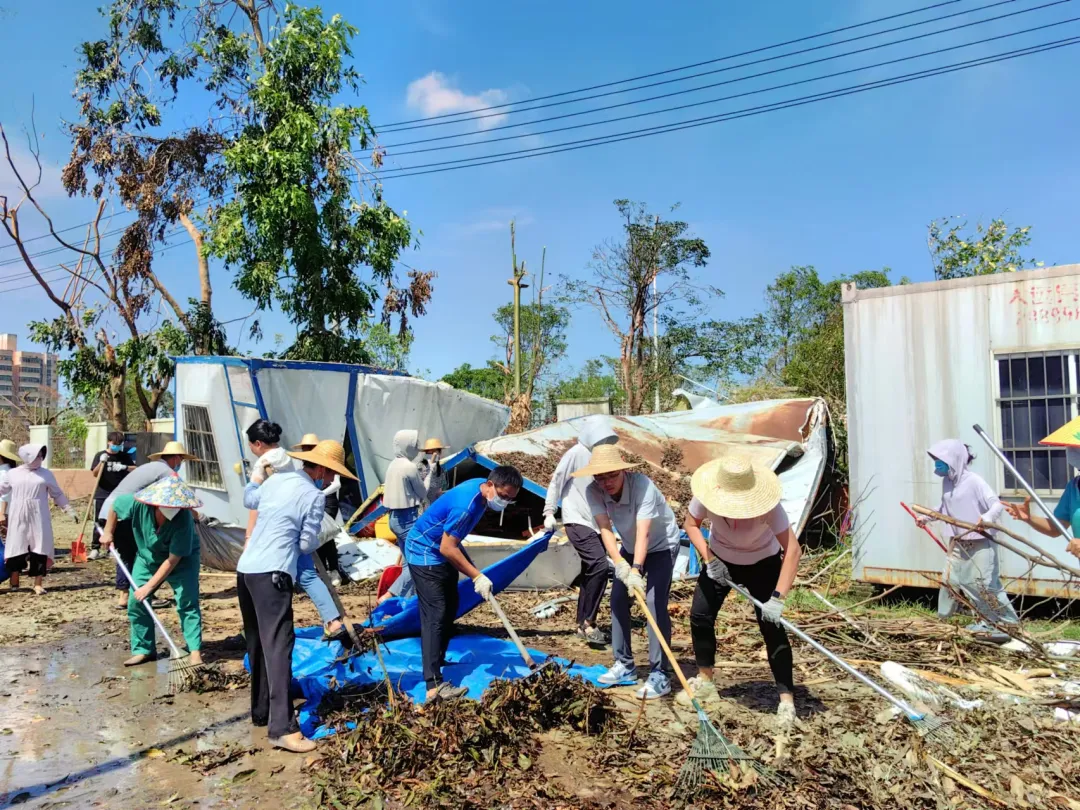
(743, 542)
(640, 499)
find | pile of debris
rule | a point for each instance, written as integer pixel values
(459, 753)
(216, 678)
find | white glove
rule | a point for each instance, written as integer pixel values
(70, 512)
(258, 471)
(717, 571)
(482, 585)
(635, 582)
(622, 571)
(772, 609)
(550, 523)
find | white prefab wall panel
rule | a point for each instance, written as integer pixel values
(385, 405)
(303, 401)
(921, 367)
(204, 385)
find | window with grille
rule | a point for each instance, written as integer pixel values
(1037, 394)
(204, 471)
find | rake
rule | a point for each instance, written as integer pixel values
(711, 751)
(183, 674)
(934, 729)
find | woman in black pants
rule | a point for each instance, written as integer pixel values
(751, 543)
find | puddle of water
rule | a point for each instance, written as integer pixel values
(77, 741)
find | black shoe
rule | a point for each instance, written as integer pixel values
(260, 722)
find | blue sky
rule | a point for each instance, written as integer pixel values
(845, 185)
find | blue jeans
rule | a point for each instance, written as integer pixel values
(401, 523)
(315, 588)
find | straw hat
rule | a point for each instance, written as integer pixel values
(431, 445)
(1068, 435)
(309, 440)
(170, 492)
(9, 451)
(329, 454)
(173, 449)
(604, 459)
(732, 487)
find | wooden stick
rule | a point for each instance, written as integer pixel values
(826, 568)
(663, 643)
(869, 636)
(963, 780)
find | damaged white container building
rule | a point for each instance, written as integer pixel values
(929, 361)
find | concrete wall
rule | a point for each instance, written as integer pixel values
(571, 408)
(75, 483)
(921, 363)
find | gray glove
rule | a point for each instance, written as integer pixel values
(772, 609)
(635, 582)
(622, 571)
(717, 571)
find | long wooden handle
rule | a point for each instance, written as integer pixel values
(513, 633)
(667, 650)
(90, 503)
(337, 599)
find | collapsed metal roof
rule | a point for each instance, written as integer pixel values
(770, 432)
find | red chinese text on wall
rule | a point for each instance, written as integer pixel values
(1046, 302)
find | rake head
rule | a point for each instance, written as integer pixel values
(935, 729)
(713, 753)
(183, 674)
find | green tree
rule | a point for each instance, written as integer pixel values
(487, 381)
(648, 270)
(543, 344)
(297, 231)
(595, 380)
(956, 252)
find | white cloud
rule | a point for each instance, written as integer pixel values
(491, 220)
(50, 186)
(435, 94)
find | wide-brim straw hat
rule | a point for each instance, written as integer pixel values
(733, 487)
(170, 492)
(431, 445)
(173, 449)
(1068, 435)
(605, 458)
(309, 440)
(329, 454)
(9, 451)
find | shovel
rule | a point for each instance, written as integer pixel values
(78, 545)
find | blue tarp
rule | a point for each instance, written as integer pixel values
(472, 661)
(401, 617)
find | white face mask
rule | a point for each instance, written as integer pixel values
(169, 511)
(498, 503)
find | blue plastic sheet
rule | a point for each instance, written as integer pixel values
(472, 661)
(401, 617)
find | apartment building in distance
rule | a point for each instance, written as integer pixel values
(26, 378)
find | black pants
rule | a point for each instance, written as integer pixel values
(760, 580)
(98, 503)
(437, 592)
(594, 571)
(268, 629)
(35, 565)
(328, 553)
(124, 540)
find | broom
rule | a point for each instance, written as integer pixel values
(182, 673)
(711, 751)
(934, 729)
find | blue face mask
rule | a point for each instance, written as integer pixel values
(116, 448)
(940, 468)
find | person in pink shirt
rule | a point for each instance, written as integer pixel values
(750, 543)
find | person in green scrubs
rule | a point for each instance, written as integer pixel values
(163, 524)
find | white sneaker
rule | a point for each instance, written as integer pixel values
(94, 554)
(335, 579)
(656, 686)
(785, 714)
(704, 691)
(618, 674)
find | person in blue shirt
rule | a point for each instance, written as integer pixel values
(290, 510)
(1067, 510)
(435, 557)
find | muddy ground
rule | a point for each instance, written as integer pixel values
(78, 730)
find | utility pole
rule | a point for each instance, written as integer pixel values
(517, 283)
(656, 331)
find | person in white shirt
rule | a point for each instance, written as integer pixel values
(644, 556)
(580, 527)
(404, 492)
(750, 543)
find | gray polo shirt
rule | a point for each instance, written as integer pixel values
(640, 499)
(139, 478)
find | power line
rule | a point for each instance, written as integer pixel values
(741, 65)
(486, 141)
(409, 171)
(677, 69)
(59, 274)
